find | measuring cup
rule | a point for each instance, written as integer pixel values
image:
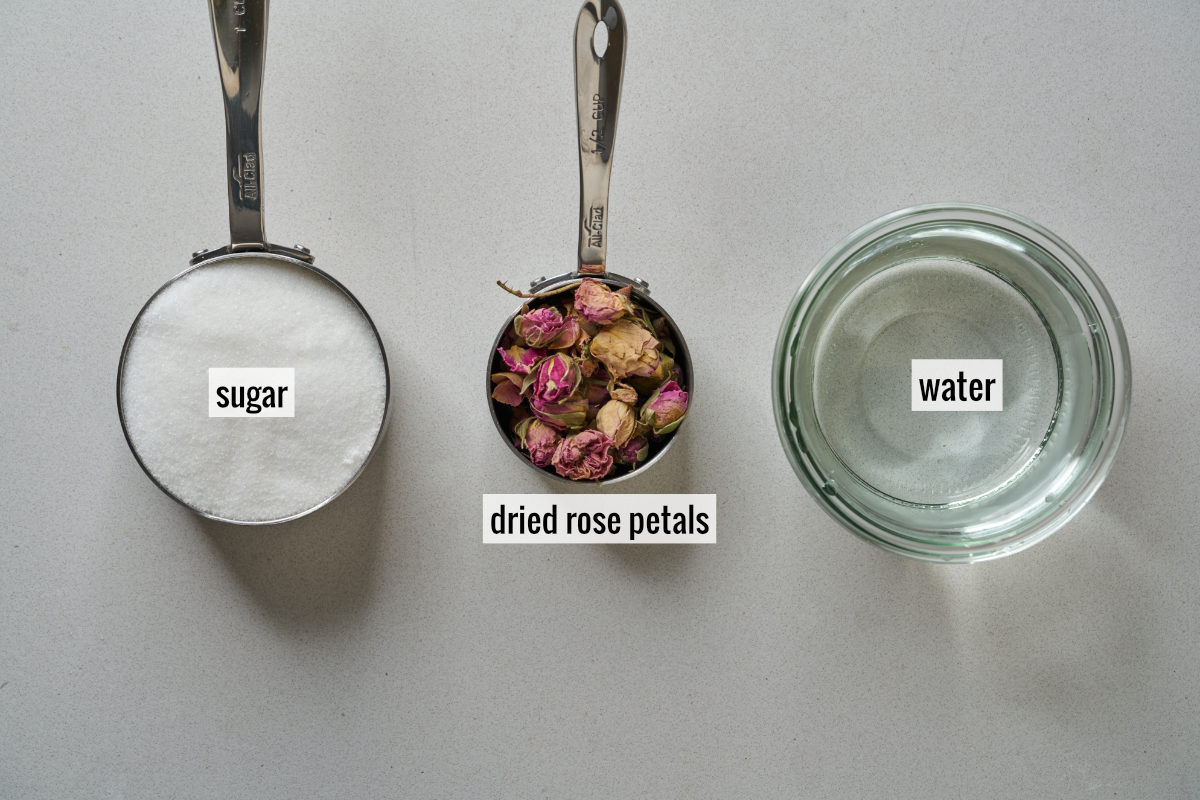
(599, 70)
(239, 32)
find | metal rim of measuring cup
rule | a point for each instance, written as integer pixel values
(387, 384)
(1112, 374)
(682, 357)
(239, 29)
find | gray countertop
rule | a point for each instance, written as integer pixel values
(377, 648)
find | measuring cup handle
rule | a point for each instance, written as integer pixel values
(597, 99)
(240, 34)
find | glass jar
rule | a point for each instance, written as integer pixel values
(951, 282)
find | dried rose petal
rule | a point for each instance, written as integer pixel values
(521, 359)
(539, 439)
(618, 421)
(585, 456)
(634, 452)
(555, 379)
(508, 388)
(626, 348)
(596, 393)
(596, 303)
(623, 392)
(569, 414)
(665, 409)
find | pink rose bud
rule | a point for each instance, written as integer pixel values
(626, 348)
(570, 335)
(555, 379)
(521, 359)
(596, 303)
(569, 414)
(586, 456)
(539, 327)
(539, 439)
(665, 409)
(546, 327)
(616, 420)
(634, 452)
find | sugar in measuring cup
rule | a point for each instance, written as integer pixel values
(253, 387)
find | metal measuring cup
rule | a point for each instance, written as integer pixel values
(240, 33)
(598, 77)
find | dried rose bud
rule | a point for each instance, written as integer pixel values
(665, 409)
(539, 327)
(623, 392)
(646, 384)
(596, 394)
(521, 359)
(586, 456)
(618, 421)
(588, 366)
(569, 414)
(626, 348)
(634, 452)
(508, 388)
(596, 303)
(555, 379)
(539, 439)
(548, 328)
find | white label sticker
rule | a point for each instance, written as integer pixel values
(958, 384)
(251, 392)
(600, 518)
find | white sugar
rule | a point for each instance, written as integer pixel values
(253, 312)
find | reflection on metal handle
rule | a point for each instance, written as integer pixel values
(240, 33)
(597, 98)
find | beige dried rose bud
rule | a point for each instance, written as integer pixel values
(619, 390)
(599, 304)
(626, 348)
(617, 420)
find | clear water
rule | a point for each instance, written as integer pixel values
(942, 308)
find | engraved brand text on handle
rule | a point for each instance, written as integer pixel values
(595, 226)
(246, 175)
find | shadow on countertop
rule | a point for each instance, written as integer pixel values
(670, 475)
(317, 569)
